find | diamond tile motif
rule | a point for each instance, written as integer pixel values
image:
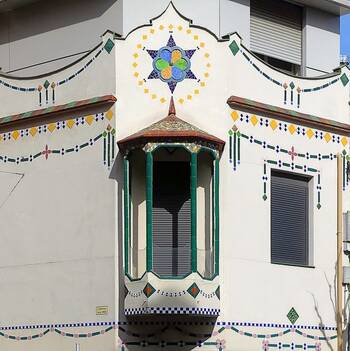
(70, 123)
(46, 84)
(109, 46)
(33, 131)
(292, 129)
(292, 315)
(234, 115)
(254, 120)
(344, 79)
(193, 290)
(89, 119)
(310, 133)
(15, 134)
(292, 85)
(234, 48)
(344, 141)
(51, 127)
(273, 124)
(217, 292)
(149, 290)
(109, 115)
(327, 137)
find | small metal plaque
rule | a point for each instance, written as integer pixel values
(101, 310)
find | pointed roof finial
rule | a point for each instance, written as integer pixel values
(172, 111)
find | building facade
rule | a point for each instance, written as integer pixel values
(175, 187)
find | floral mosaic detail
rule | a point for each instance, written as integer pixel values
(171, 64)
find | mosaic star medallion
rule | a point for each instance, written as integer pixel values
(171, 64)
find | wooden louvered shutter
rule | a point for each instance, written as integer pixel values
(289, 219)
(171, 219)
(276, 30)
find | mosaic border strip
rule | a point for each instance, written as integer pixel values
(172, 310)
(291, 128)
(235, 48)
(216, 323)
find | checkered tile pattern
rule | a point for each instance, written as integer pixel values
(173, 310)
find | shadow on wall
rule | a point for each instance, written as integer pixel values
(29, 20)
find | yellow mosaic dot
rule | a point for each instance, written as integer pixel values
(234, 115)
(136, 55)
(309, 133)
(33, 131)
(154, 96)
(208, 65)
(254, 120)
(89, 119)
(179, 28)
(162, 100)
(292, 129)
(188, 31)
(134, 64)
(51, 127)
(109, 115)
(146, 91)
(144, 37)
(152, 31)
(202, 45)
(327, 137)
(171, 26)
(202, 84)
(139, 46)
(273, 124)
(140, 82)
(1, 137)
(70, 123)
(189, 97)
(181, 101)
(206, 74)
(15, 134)
(195, 37)
(136, 74)
(196, 91)
(161, 27)
(206, 55)
(344, 141)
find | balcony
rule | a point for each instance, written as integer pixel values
(171, 219)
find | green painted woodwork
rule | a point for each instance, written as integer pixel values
(216, 209)
(126, 215)
(194, 211)
(149, 210)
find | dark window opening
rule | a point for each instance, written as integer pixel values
(171, 218)
(289, 219)
(284, 66)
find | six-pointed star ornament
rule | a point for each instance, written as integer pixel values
(171, 64)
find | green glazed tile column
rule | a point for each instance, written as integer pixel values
(216, 214)
(149, 209)
(194, 211)
(126, 214)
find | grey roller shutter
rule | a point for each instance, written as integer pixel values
(276, 30)
(289, 219)
(171, 219)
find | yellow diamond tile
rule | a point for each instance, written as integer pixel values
(136, 55)
(196, 91)
(188, 31)
(134, 64)
(206, 74)
(195, 37)
(51, 127)
(15, 134)
(152, 31)
(234, 115)
(146, 91)
(1, 137)
(179, 28)
(206, 55)
(33, 131)
(202, 45)
(139, 46)
(202, 84)
(344, 141)
(109, 115)
(161, 27)
(273, 124)
(292, 129)
(154, 96)
(189, 97)
(208, 65)
(310, 133)
(171, 26)
(181, 101)
(144, 37)
(254, 120)
(327, 137)
(89, 119)
(162, 100)
(70, 123)
(136, 74)
(140, 82)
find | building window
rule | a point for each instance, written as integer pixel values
(276, 33)
(289, 219)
